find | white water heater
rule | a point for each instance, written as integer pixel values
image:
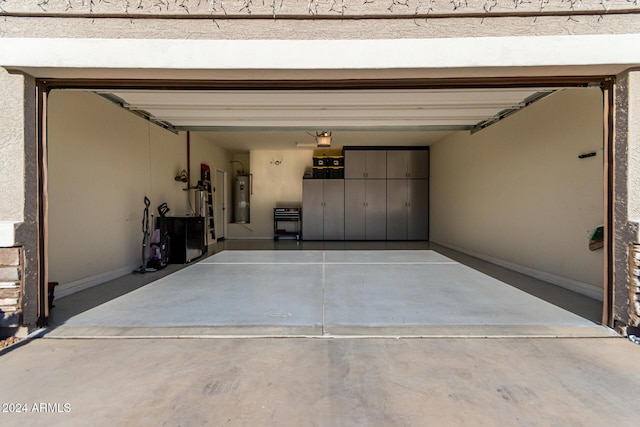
(241, 195)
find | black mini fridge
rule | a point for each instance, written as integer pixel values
(186, 238)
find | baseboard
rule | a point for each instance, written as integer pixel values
(65, 289)
(573, 285)
(248, 238)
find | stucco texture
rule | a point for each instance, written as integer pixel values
(633, 136)
(11, 147)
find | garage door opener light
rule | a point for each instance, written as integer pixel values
(323, 139)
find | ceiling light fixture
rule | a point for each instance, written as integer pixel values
(323, 139)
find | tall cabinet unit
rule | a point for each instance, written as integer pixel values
(408, 195)
(384, 196)
(365, 209)
(407, 209)
(323, 209)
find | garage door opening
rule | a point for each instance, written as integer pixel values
(524, 192)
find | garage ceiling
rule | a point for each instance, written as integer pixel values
(408, 113)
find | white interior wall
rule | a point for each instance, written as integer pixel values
(166, 159)
(205, 151)
(102, 161)
(517, 193)
(273, 185)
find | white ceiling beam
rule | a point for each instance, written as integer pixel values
(321, 123)
(453, 108)
(327, 115)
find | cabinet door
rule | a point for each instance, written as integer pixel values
(418, 167)
(333, 209)
(376, 164)
(195, 237)
(418, 228)
(397, 164)
(355, 164)
(397, 209)
(376, 209)
(312, 209)
(354, 209)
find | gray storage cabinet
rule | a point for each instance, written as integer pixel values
(323, 209)
(368, 164)
(365, 209)
(408, 164)
(407, 209)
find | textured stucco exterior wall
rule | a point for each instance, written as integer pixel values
(269, 29)
(26, 232)
(626, 188)
(323, 19)
(336, 8)
(633, 141)
(11, 147)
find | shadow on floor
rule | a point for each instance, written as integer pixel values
(574, 302)
(79, 302)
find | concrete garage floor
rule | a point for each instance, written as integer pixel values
(326, 292)
(329, 382)
(326, 380)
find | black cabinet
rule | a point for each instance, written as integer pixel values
(186, 238)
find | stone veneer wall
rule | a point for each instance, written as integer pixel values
(11, 293)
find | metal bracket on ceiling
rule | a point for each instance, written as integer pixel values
(140, 113)
(506, 113)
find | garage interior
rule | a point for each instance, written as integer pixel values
(515, 193)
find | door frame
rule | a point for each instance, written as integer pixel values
(224, 190)
(44, 86)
